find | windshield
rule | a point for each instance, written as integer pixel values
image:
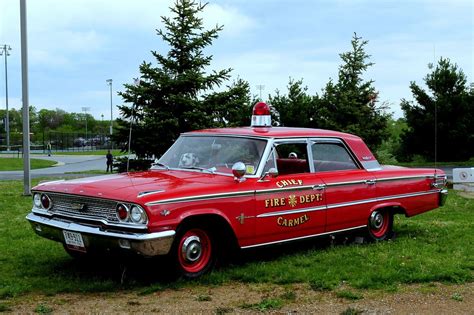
(213, 154)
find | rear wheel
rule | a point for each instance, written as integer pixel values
(380, 224)
(195, 251)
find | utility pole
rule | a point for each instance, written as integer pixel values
(5, 50)
(26, 101)
(260, 87)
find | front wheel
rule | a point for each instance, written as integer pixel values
(380, 224)
(195, 252)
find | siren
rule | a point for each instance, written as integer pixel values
(261, 116)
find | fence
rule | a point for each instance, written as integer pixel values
(60, 141)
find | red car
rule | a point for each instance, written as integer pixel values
(251, 186)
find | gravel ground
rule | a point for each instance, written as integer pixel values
(432, 298)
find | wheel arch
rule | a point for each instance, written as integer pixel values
(213, 218)
(396, 207)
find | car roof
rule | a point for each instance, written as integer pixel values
(274, 132)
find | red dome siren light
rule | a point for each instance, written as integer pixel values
(261, 116)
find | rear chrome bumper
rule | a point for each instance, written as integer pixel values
(146, 244)
(443, 195)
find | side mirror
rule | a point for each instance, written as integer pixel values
(238, 170)
(272, 172)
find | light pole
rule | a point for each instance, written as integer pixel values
(109, 82)
(85, 110)
(4, 50)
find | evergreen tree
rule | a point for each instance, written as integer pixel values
(297, 108)
(454, 102)
(176, 95)
(350, 104)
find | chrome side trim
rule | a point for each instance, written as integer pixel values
(151, 192)
(355, 182)
(303, 237)
(92, 220)
(292, 188)
(202, 197)
(386, 179)
(422, 193)
(285, 212)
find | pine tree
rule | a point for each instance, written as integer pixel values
(449, 93)
(176, 95)
(350, 104)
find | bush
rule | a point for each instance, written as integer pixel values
(120, 164)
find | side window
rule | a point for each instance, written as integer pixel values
(292, 158)
(331, 157)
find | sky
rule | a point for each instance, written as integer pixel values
(74, 46)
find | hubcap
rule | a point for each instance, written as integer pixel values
(376, 220)
(191, 249)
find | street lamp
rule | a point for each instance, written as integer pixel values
(85, 110)
(109, 82)
(4, 50)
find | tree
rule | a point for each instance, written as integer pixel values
(449, 96)
(297, 109)
(174, 96)
(350, 104)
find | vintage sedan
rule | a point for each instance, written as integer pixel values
(248, 187)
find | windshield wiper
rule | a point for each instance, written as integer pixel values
(160, 164)
(210, 170)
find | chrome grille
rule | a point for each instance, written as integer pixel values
(101, 209)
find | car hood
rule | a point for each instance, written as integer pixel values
(139, 187)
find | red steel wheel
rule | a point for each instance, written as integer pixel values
(195, 253)
(380, 224)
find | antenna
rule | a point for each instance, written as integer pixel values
(260, 87)
(435, 116)
(136, 82)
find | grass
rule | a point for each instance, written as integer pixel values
(15, 164)
(437, 246)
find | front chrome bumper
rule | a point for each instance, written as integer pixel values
(443, 195)
(146, 244)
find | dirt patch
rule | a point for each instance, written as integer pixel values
(253, 298)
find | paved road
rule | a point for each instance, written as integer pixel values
(79, 163)
(66, 164)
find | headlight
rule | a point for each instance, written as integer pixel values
(137, 215)
(122, 212)
(37, 200)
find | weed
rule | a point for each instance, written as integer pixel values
(457, 297)
(265, 305)
(289, 296)
(43, 309)
(319, 285)
(351, 311)
(133, 303)
(349, 295)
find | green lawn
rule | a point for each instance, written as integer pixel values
(15, 164)
(436, 246)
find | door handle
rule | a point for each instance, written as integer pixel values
(370, 182)
(319, 187)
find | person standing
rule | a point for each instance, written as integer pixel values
(110, 159)
(48, 147)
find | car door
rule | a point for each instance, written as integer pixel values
(349, 189)
(291, 205)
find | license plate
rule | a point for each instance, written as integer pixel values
(74, 241)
